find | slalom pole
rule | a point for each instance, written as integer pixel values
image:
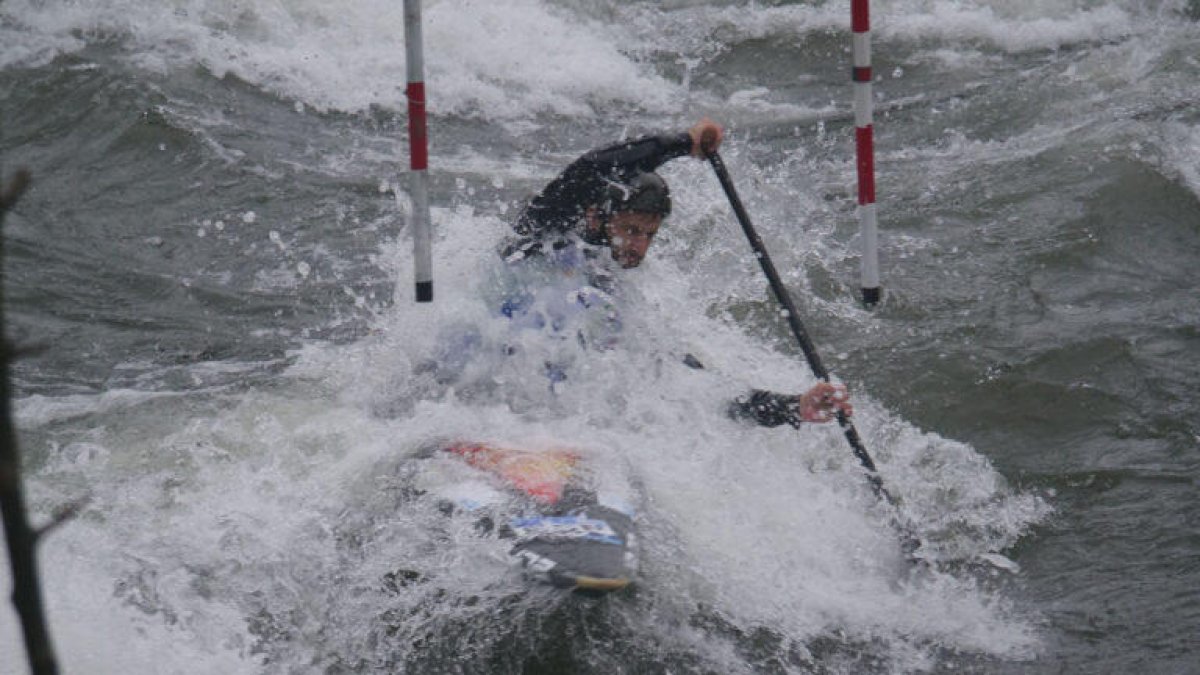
(793, 319)
(864, 142)
(418, 146)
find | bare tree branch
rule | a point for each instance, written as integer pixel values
(61, 515)
(12, 192)
(20, 537)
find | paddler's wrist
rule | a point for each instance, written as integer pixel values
(678, 145)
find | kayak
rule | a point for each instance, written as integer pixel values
(565, 529)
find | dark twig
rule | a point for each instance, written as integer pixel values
(20, 537)
(61, 515)
(10, 193)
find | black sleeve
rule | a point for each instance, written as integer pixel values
(581, 185)
(761, 407)
(767, 408)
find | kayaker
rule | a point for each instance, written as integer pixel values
(611, 198)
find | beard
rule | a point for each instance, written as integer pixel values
(626, 259)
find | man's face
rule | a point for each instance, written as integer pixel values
(630, 234)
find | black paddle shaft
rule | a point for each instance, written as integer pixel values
(793, 317)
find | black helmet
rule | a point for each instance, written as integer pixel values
(645, 192)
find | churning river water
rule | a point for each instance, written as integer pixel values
(215, 256)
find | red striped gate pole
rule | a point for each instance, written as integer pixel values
(418, 146)
(860, 24)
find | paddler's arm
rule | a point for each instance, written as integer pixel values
(819, 404)
(582, 184)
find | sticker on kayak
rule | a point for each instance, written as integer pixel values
(540, 475)
(564, 527)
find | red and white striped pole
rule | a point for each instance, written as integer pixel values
(860, 24)
(418, 146)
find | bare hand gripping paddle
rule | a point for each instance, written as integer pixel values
(793, 319)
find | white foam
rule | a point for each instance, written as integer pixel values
(93, 631)
(38, 410)
(487, 60)
(1181, 147)
(202, 520)
(1013, 27)
(744, 507)
(703, 31)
